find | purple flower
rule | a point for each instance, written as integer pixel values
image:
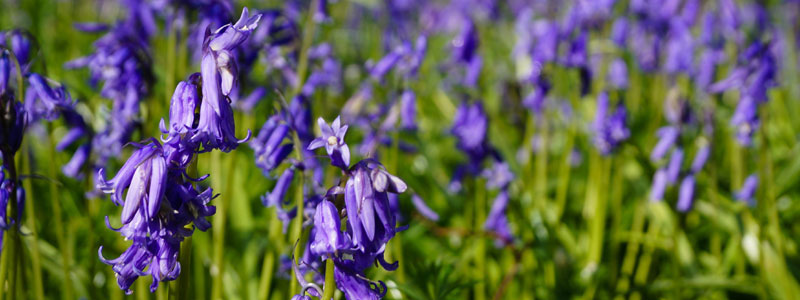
(674, 166)
(470, 127)
(499, 176)
(686, 194)
(354, 285)
(328, 236)
(216, 128)
(43, 101)
(5, 70)
(701, 157)
(658, 186)
(408, 110)
(182, 108)
(609, 131)
(535, 101)
(268, 145)
(6, 190)
(422, 208)
(333, 140)
(680, 49)
(753, 77)
(366, 204)
(276, 197)
(497, 221)
(748, 190)
(21, 45)
(144, 177)
(667, 137)
(121, 62)
(618, 74)
(619, 32)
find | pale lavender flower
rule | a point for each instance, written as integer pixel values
(333, 140)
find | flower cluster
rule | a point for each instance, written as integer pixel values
(161, 203)
(470, 128)
(363, 199)
(122, 64)
(609, 131)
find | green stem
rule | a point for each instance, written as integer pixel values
(276, 242)
(597, 221)
(58, 218)
(330, 284)
(564, 174)
(297, 226)
(220, 219)
(31, 214)
(632, 251)
(480, 247)
(179, 289)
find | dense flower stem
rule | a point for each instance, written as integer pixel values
(30, 211)
(480, 246)
(330, 284)
(59, 220)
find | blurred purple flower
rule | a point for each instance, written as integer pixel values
(748, 190)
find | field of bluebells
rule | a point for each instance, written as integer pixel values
(399, 149)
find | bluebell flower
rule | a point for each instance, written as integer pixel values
(328, 237)
(276, 198)
(609, 130)
(215, 128)
(408, 110)
(746, 193)
(420, 206)
(270, 151)
(144, 177)
(659, 185)
(618, 74)
(182, 109)
(44, 101)
(333, 140)
(497, 221)
(470, 128)
(686, 193)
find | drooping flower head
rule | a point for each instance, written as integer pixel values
(216, 128)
